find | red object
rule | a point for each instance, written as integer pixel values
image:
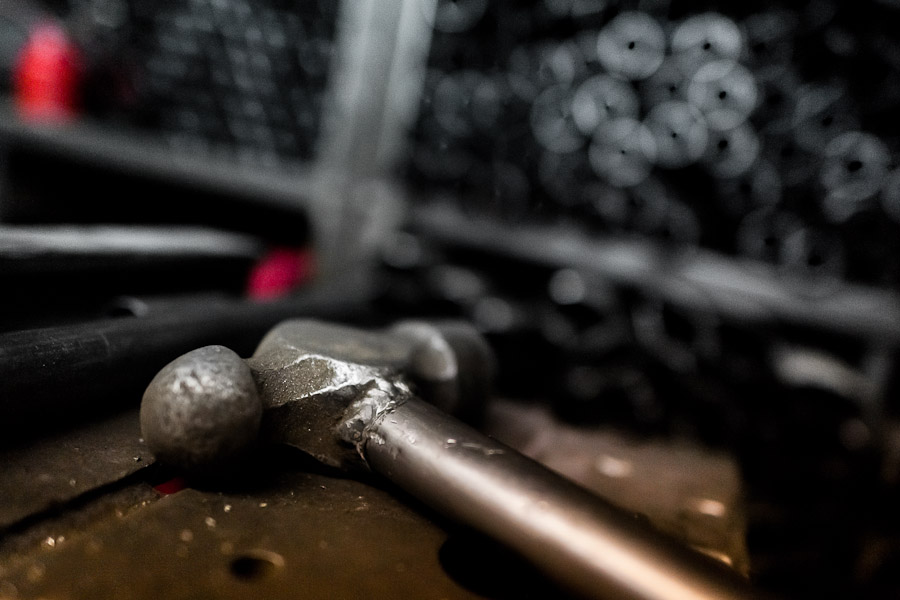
(47, 76)
(279, 272)
(170, 487)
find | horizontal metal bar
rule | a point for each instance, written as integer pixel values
(142, 154)
(694, 278)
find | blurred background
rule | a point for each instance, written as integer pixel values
(677, 223)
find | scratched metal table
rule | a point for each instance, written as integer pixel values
(88, 514)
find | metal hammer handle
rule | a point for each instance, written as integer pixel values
(574, 536)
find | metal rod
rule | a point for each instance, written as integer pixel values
(575, 537)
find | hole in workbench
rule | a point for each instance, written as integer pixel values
(256, 565)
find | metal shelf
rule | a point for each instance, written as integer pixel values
(735, 289)
(145, 155)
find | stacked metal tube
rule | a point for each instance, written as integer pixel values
(758, 124)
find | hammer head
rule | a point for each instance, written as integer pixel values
(318, 386)
(201, 409)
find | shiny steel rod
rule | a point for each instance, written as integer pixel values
(575, 537)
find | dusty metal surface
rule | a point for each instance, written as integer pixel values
(56, 470)
(288, 534)
(690, 492)
(25, 542)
